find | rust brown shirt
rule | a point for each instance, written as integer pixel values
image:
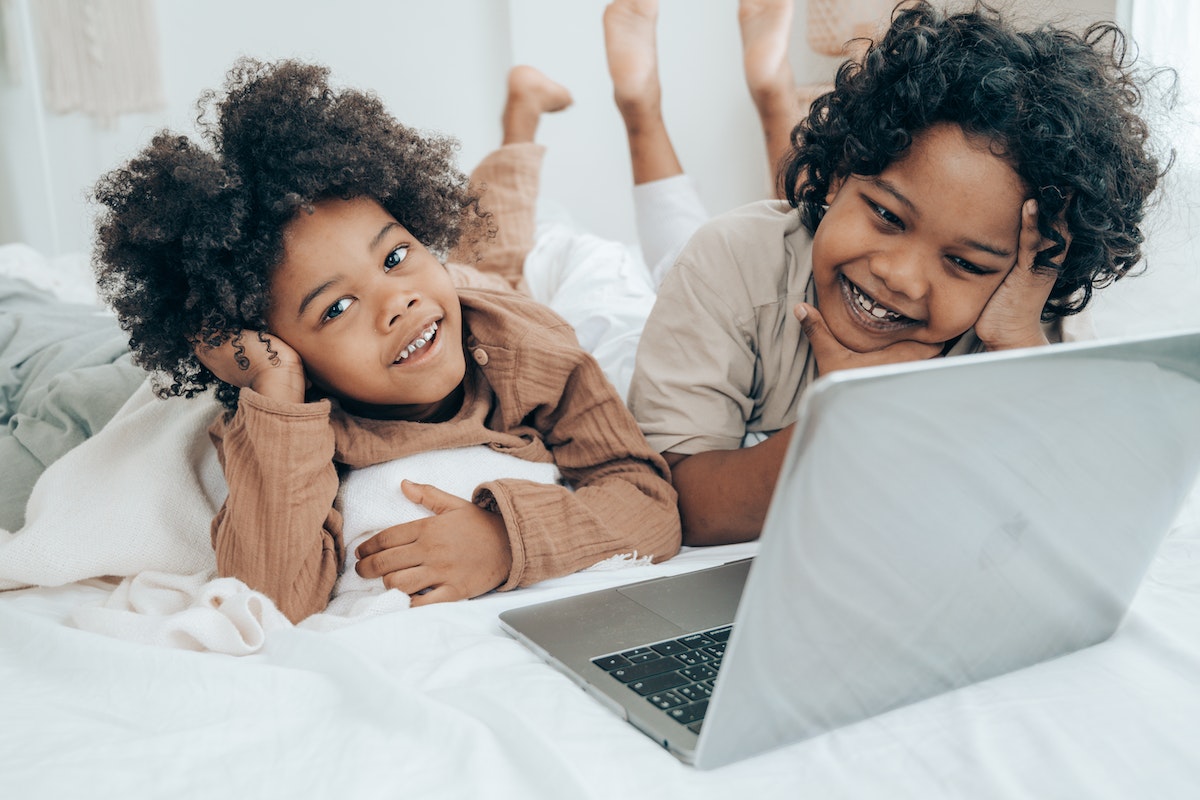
(531, 392)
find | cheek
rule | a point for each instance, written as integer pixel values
(960, 309)
(823, 248)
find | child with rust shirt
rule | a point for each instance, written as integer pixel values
(297, 266)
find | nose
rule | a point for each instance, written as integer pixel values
(904, 271)
(396, 299)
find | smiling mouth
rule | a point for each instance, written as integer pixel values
(872, 312)
(422, 340)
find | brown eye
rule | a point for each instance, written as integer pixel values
(337, 309)
(395, 257)
(887, 216)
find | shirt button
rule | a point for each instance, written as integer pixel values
(481, 356)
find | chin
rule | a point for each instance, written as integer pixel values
(856, 340)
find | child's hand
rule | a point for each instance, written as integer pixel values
(1012, 317)
(260, 361)
(832, 355)
(461, 551)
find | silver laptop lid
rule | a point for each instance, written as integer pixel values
(940, 523)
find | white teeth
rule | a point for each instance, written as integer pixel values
(422, 340)
(871, 307)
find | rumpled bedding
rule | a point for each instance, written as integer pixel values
(84, 522)
(124, 688)
(64, 372)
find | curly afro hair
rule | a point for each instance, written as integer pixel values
(188, 236)
(1061, 107)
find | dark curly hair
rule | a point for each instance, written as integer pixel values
(1061, 107)
(188, 237)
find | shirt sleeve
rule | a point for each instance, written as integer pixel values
(693, 386)
(619, 501)
(278, 531)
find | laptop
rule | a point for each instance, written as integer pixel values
(935, 524)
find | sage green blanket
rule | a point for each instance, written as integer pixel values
(65, 370)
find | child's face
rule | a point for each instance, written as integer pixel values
(373, 315)
(915, 252)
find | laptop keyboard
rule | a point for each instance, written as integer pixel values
(674, 675)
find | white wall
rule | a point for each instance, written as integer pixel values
(400, 50)
(439, 66)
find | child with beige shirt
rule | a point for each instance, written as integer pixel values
(965, 185)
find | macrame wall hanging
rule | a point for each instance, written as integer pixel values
(838, 28)
(834, 23)
(99, 57)
(10, 44)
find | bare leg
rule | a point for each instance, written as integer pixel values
(766, 27)
(629, 41)
(530, 94)
(509, 178)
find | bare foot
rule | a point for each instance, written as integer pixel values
(530, 94)
(629, 43)
(766, 27)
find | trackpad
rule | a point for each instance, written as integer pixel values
(694, 600)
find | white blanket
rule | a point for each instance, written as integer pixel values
(438, 702)
(83, 522)
(138, 496)
(135, 501)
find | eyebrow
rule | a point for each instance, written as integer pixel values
(891, 189)
(382, 233)
(974, 244)
(315, 293)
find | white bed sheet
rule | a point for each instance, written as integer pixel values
(439, 702)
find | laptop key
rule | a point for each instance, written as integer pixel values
(695, 726)
(668, 648)
(694, 657)
(702, 672)
(689, 713)
(639, 654)
(609, 663)
(721, 634)
(665, 700)
(695, 640)
(645, 669)
(695, 691)
(658, 683)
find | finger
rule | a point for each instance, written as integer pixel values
(832, 354)
(824, 344)
(1035, 283)
(1032, 241)
(387, 539)
(438, 594)
(392, 559)
(411, 581)
(431, 497)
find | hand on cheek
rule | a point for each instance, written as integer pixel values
(460, 552)
(257, 360)
(832, 355)
(1012, 317)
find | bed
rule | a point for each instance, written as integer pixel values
(158, 682)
